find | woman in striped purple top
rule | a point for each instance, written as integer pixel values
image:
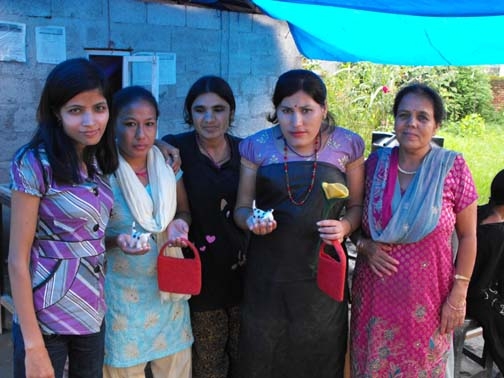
(61, 202)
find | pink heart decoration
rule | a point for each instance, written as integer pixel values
(202, 249)
(210, 238)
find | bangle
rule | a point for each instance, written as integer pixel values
(185, 216)
(461, 277)
(354, 205)
(461, 308)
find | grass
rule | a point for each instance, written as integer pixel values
(483, 154)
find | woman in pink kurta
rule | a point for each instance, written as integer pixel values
(408, 294)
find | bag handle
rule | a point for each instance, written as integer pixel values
(337, 246)
(189, 245)
(339, 249)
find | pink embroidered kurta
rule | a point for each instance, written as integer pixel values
(395, 319)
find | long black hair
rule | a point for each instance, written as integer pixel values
(496, 197)
(64, 82)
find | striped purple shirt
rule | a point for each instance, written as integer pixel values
(67, 254)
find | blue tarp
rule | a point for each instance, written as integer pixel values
(404, 32)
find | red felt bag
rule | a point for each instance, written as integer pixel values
(331, 274)
(179, 275)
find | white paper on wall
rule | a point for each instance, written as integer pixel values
(12, 41)
(51, 44)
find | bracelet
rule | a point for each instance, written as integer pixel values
(462, 278)
(185, 216)
(354, 205)
(360, 245)
(461, 308)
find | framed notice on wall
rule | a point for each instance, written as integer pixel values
(51, 44)
(12, 41)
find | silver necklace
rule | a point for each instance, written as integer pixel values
(405, 171)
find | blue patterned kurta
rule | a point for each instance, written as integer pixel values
(139, 327)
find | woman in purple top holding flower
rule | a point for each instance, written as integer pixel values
(61, 202)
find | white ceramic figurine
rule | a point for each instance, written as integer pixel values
(259, 214)
(139, 239)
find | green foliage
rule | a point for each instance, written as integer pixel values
(361, 95)
(358, 99)
(483, 154)
(470, 125)
(473, 94)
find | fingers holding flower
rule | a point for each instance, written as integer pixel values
(331, 229)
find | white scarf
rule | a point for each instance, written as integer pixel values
(156, 212)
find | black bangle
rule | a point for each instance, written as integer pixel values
(185, 216)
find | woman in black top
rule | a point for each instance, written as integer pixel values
(211, 164)
(485, 297)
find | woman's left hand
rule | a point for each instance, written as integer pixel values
(454, 309)
(452, 314)
(171, 154)
(177, 231)
(331, 229)
(261, 226)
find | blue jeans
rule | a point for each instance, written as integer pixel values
(84, 352)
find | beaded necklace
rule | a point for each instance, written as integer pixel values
(314, 172)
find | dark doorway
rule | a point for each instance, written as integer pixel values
(112, 65)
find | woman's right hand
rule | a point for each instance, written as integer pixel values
(37, 363)
(124, 241)
(261, 226)
(378, 255)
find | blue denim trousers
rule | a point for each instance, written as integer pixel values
(84, 352)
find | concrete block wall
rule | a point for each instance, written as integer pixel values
(248, 50)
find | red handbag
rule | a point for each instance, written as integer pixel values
(179, 275)
(331, 274)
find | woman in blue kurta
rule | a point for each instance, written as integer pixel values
(142, 325)
(290, 328)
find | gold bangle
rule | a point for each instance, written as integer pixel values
(462, 278)
(461, 308)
